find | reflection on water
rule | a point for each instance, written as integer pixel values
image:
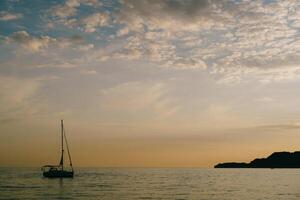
(131, 184)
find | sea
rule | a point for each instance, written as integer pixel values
(152, 183)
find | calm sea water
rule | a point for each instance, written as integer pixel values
(131, 184)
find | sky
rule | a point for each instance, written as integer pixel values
(148, 83)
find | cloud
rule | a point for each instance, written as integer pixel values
(280, 127)
(66, 14)
(16, 91)
(42, 43)
(263, 45)
(233, 40)
(88, 72)
(157, 43)
(6, 16)
(123, 31)
(34, 44)
(70, 7)
(188, 63)
(147, 100)
(66, 10)
(264, 99)
(86, 47)
(236, 40)
(22, 98)
(168, 15)
(16, 97)
(157, 51)
(31, 51)
(93, 21)
(94, 3)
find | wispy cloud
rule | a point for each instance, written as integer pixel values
(142, 101)
(16, 96)
(264, 99)
(280, 127)
(7, 16)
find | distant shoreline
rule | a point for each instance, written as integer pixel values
(275, 160)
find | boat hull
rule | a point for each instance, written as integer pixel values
(58, 174)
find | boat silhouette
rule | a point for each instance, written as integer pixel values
(58, 171)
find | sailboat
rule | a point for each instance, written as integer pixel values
(58, 171)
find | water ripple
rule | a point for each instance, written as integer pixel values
(134, 184)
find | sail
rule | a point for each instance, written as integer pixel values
(69, 155)
(61, 160)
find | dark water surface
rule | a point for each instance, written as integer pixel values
(131, 184)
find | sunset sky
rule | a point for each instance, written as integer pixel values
(148, 83)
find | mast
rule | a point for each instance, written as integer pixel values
(62, 145)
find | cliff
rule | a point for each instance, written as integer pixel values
(275, 160)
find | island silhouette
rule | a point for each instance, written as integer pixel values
(275, 160)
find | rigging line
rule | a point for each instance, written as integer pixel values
(68, 148)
